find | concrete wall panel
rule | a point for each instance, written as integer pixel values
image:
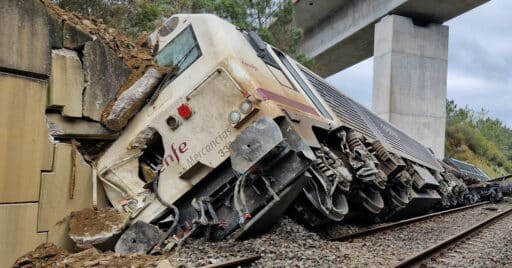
(25, 44)
(66, 82)
(22, 127)
(18, 231)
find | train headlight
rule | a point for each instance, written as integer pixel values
(234, 117)
(246, 106)
(172, 122)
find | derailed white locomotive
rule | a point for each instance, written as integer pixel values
(242, 132)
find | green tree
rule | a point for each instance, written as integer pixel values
(479, 139)
(144, 17)
(271, 19)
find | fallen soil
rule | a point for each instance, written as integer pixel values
(50, 255)
(96, 225)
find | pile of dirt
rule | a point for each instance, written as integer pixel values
(92, 226)
(50, 255)
(42, 254)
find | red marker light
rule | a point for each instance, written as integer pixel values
(184, 111)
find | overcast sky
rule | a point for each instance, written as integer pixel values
(479, 64)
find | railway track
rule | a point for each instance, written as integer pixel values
(453, 251)
(405, 222)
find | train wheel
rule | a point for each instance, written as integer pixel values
(371, 199)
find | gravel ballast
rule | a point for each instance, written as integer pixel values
(290, 244)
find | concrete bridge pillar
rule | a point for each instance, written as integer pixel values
(409, 84)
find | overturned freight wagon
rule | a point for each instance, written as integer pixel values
(242, 132)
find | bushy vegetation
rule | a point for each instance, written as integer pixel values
(272, 19)
(478, 139)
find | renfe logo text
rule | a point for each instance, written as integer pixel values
(174, 155)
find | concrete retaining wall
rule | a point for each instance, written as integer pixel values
(41, 180)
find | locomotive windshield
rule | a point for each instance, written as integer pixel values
(182, 51)
(305, 87)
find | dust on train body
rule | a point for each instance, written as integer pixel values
(241, 133)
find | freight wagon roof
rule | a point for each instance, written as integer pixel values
(467, 168)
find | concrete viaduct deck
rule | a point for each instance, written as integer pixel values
(344, 29)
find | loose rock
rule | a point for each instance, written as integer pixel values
(105, 72)
(140, 238)
(132, 100)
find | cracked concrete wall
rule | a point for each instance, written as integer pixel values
(35, 170)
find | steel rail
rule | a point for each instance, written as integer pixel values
(401, 223)
(500, 178)
(234, 262)
(436, 249)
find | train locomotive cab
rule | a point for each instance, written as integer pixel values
(214, 142)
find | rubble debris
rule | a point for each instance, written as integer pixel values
(113, 38)
(50, 255)
(74, 37)
(61, 127)
(128, 61)
(105, 73)
(140, 238)
(42, 254)
(91, 227)
(132, 100)
(137, 55)
(66, 82)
